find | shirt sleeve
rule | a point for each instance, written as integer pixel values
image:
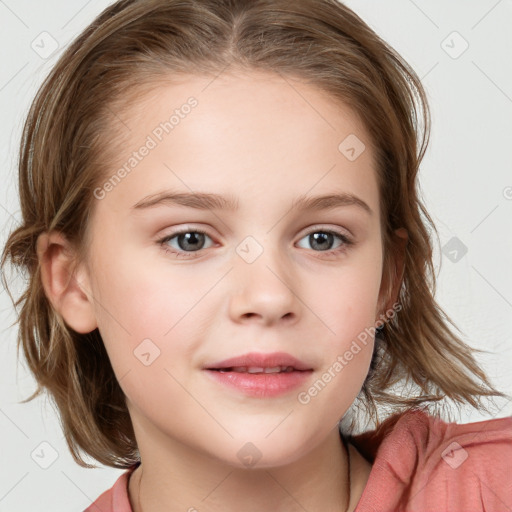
(466, 467)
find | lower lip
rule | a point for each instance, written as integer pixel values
(261, 385)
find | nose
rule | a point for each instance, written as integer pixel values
(263, 290)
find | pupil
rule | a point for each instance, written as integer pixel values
(189, 241)
(320, 239)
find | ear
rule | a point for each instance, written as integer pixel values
(66, 287)
(393, 276)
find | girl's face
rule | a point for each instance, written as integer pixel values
(265, 277)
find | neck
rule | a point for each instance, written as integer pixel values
(185, 480)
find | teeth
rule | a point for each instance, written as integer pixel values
(254, 369)
(258, 369)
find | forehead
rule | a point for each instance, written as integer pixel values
(233, 100)
(255, 133)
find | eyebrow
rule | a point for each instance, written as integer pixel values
(208, 201)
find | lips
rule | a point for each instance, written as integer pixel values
(256, 369)
(260, 375)
(254, 362)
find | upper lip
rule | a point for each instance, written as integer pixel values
(256, 359)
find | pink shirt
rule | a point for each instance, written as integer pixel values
(419, 463)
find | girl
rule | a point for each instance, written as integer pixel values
(283, 139)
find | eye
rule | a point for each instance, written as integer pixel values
(322, 240)
(185, 241)
(188, 241)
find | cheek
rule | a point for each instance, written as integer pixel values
(153, 317)
(347, 300)
(347, 309)
(135, 302)
(347, 306)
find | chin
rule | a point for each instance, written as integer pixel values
(264, 453)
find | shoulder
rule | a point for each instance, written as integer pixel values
(116, 498)
(469, 464)
(426, 463)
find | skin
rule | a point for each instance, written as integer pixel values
(265, 142)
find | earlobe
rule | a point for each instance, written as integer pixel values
(66, 286)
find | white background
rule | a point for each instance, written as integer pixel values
(466, 183)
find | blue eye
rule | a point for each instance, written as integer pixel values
(322, 241)
(188, 241)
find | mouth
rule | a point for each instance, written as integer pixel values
(255, 362)
(260, 375)
(257, 369)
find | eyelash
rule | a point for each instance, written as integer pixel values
(346, 242)
(163, 242)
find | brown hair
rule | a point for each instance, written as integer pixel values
(129, 47)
